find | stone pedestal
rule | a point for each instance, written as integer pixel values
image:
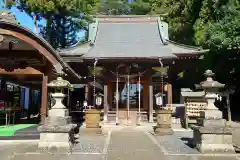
(212, 134)
(164, 121)
(92, 120)
(57, 133)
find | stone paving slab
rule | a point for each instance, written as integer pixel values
(177, 143)
(38, 157)
(85, 157)
(216, 158)
(8, 151)
(56, 157)
(125, 144)
(90, 143)
(131, 146)
(174, 157)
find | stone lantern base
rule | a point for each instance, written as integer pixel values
(57, 134)
(212, 135)
(164, 121)
(92, 120)
(56, 138)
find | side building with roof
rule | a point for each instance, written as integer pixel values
(135, 61)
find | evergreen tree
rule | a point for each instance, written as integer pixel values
(64, 18)
(140, 7)
(114, 7)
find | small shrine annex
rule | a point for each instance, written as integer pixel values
(128, 60)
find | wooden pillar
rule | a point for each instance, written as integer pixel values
(169, 93)
(44, 99)
(105, 90)
(110, 94)
(86, 93)
(145, 95)
(229, 108)
(150, 104)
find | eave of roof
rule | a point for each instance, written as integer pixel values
(186, 49)
(15, 26)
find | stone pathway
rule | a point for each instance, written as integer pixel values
(132, 145)
(123, 144)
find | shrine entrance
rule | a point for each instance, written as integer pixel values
(127, 93)
(129, 102)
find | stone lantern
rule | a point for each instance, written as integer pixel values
(57, 133)
(164, 117)
(211, 134)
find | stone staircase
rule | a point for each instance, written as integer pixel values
(133, 117)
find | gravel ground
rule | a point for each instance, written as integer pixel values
(179, 143)
(90, 144)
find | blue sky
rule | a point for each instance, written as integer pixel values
(27, 21)
(23, 18)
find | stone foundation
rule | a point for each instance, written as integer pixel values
(163, 131)
(57, 134)
(212, 134)
(57, 138)
(164, 122)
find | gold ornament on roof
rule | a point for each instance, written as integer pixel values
(60, 83)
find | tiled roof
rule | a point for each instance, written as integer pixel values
(136, 40)
(130, 37)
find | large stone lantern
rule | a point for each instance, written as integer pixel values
(212, 135)
(57, 132)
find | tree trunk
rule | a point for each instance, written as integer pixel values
(35, 23)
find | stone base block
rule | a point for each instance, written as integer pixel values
(90, 131)
(58, 112)
(56, 138)
(56, 142)
(163, 131)
(59, 121)
(213, 139)
(49, 128)
(215, 148)
(211, 114)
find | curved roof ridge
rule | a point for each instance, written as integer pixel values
(161, 32)
(44, 42)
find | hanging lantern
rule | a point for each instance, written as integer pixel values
(159, 99)
(98, 100)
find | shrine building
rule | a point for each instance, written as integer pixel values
(127, 60)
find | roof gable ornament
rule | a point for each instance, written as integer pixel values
(93, 27)
(7, 16)
(161, 31)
